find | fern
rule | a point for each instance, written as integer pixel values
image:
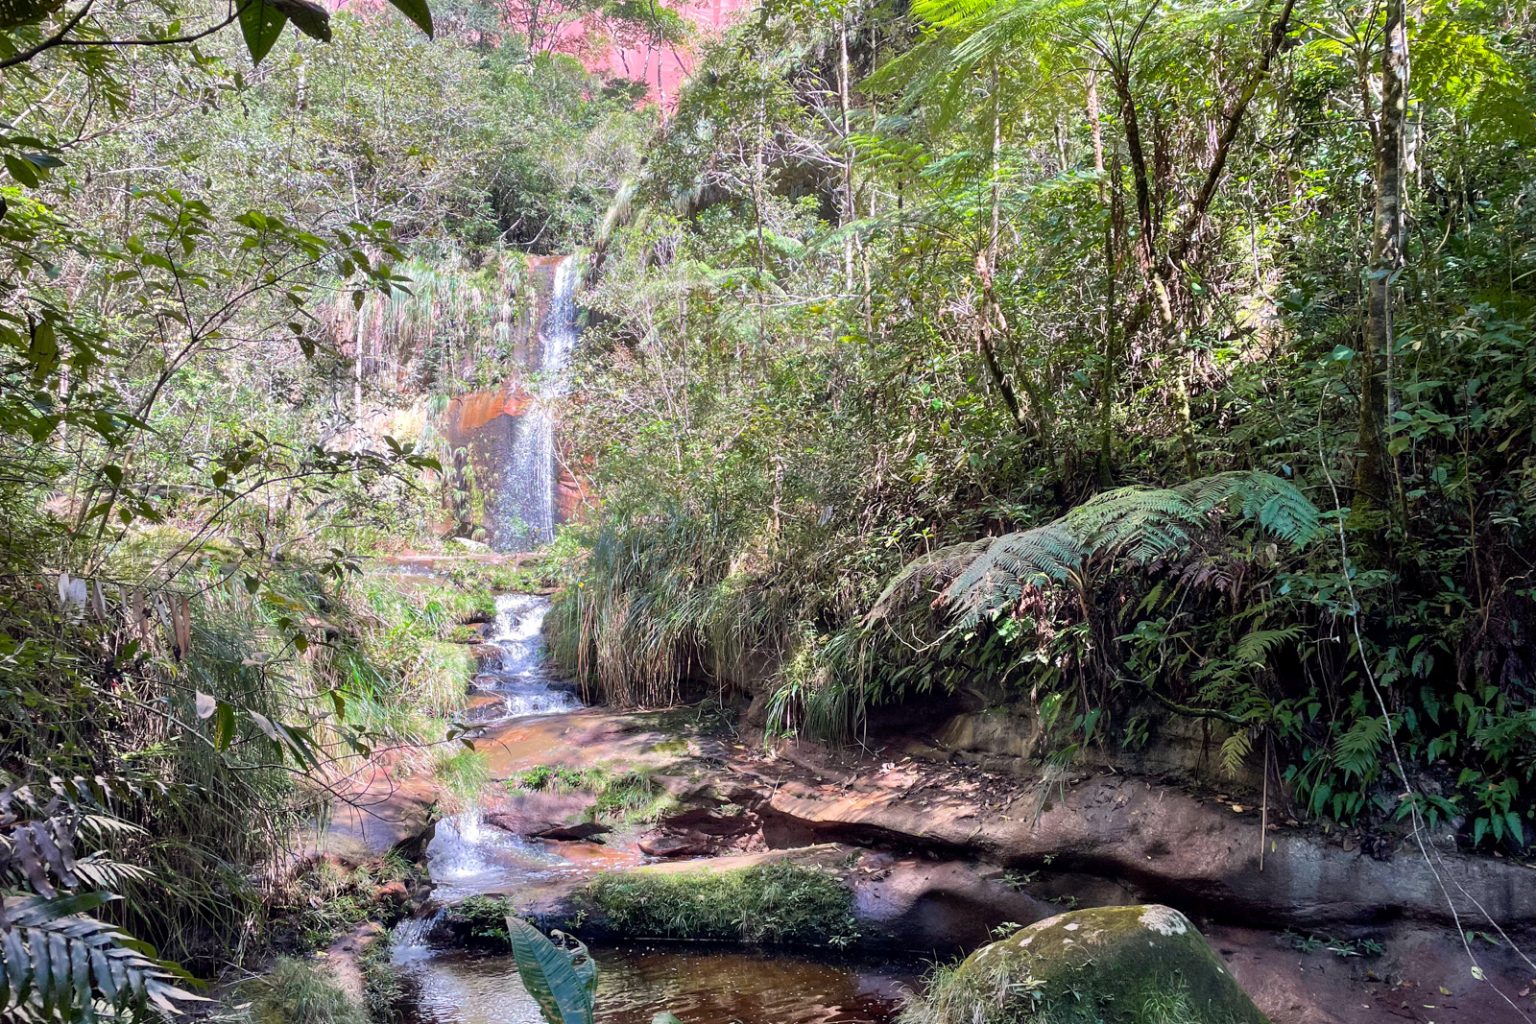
(1234, 751)
(1356, 751)
(1140, 525)
(58, 963)
(1257, 646)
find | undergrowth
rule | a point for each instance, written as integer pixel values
(631, 796)
(300, 992)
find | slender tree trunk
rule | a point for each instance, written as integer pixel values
(1387, 231)
(1109, 373)
(992, 319)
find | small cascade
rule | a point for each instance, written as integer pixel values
(517, 667)
(528, 497)
(408, 940)
(468, 857)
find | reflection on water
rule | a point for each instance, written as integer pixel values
(701, 986)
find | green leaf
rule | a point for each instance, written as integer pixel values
(21, 170)
(308, 17)
(224, 726)
(563, 982)
(417, 11)
(261, 23)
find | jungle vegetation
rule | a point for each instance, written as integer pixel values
(1104, 361)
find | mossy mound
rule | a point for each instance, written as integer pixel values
(771, 904)
(1106, 965)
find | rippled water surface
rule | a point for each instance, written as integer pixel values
(701, 986)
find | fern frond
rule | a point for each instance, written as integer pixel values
(1234, 751)
(1139, 524)
(1356, 751)
(1256, 646)
(57, 962)
(1277, 505)
(924, 573)
(998, 575)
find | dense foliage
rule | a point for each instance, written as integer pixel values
(227, 293)
(895, 280)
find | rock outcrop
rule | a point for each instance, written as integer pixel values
(1109, 965)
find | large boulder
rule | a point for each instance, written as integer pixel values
(1109, 965)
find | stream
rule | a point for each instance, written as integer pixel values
(702, 985)
(469, 856)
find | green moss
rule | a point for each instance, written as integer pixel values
(626, 797)
(299, 992)
(1106, 965)
(782, 904)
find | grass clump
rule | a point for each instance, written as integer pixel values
(463, 775)
(627, 797)
(772, 904)
(382, 990)
(480, 920)
(299, 992)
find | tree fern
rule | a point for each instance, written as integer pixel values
(1138, 525)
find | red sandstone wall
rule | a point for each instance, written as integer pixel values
(662, 70)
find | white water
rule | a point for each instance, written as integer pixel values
(467, 855)
(518, 666)
(530, 475)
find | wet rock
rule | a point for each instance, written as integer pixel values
(581, 832)
(1161, 841)
(675, 845)
(1116, 965)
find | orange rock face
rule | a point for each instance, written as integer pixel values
(471, 412)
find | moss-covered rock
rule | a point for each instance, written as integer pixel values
(771, 904)
(1106, 965)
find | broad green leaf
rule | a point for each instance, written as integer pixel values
(417, 11)
(563, 982)
(308, 17)
(261, 23)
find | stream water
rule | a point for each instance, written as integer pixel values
(701, 986)
(468, 856)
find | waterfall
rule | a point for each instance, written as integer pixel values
(530, 476)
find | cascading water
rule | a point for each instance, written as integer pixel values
(529, 478)
(518, 668)
(466, 855)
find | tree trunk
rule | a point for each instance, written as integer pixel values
(1387, 231)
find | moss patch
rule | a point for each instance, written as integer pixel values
(1106, 965)
(620, 797)
(780, 904)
